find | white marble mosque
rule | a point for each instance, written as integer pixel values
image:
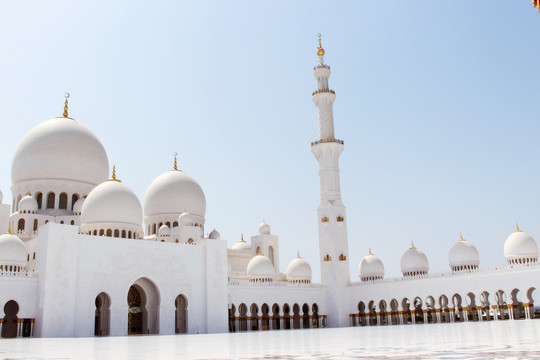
(123, 268)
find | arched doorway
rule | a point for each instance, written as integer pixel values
(143, 308)
(103, 315)
(180, 323)
(305, 316)
(242, 321)
(315, 318)
(296, 316)
(9, 326)
(286, 316)
(275, 317)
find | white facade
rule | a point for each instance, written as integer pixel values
(82, 256)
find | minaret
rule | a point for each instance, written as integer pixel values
(333, 245)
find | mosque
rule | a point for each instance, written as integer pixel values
(80, 256)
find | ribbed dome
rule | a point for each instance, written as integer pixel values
(299, 270)
(60, 148)
(463, 256)
(185, 219)
(214, 234)
(77, 207)
(28, 205)
(520, 248)
(12, 251)
(370, 268)
(111, 202)
(174, 192)
(264, 228)
(260, 268)
(414, 262)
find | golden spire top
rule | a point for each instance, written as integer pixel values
(320, 50)
(259, 251)
(461, 237)
(369, 252)
(113, 177)
(241, 238)
(517, 228)
(9, 228)
(298, 254)
(175, 161)
(66, 95)
(412, 245)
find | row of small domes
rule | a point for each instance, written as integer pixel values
(261, 268)
(519, 248)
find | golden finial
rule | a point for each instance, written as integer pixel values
(369, 252)
(412, 245)
(298, 254)
(9, 228)
(259, 251)
(114, 172)
(175, 162)
(66, 95)
(242, 238)
(461, 237)
(517, 227)
(320, 50)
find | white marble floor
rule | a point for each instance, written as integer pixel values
(488, 340)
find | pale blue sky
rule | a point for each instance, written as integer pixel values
(437, 102)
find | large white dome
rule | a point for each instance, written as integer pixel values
(370, 268)
(111, 202)
(12, 251)
(60, 148)
(414, 262)
(174, 192)
(520, 248)
(260, 268)
(299, 270)
(463, 256)
(28, 205)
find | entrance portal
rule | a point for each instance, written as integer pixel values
(103, 311)
(135, 314)
(181, 314)
(9, 326)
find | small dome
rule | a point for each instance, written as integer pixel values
(260, 268)
(77, 207)
(111, 202)
(61, 149)
(463, 256)
(264, 228)
(414, 262)
(164, 230)
(520, 248)
(370, 268)
(174, 192)
(241, 244)
(214, 234)
(28, 205)
(185, 219)
(12, 251)
(299, 270)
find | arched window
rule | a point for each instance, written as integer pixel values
(109, 232)
(61, 221)
(175, 224)
(123, 234)
(168, 224)
(35, 224)
(271, 254)
(116, 233)
(50, 200)
(34, 256)
(129, 234)
(154, 229)
(72, 222)
(20, 225)
(95, 232)
(101, 232)
(39, 199)
(62, 201)
(74, 199)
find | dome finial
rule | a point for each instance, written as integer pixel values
(114, 172)
(369, 252)
(66, 95)
(320, 50)
(461, 237)
(298, 254)
(517, 228)
(175, 162)
(412, 245)
(241, 238)
(9, 228)
(259, 250)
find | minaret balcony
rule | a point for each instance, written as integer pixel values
(321, 66)
(323, 91)
(322, 141)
